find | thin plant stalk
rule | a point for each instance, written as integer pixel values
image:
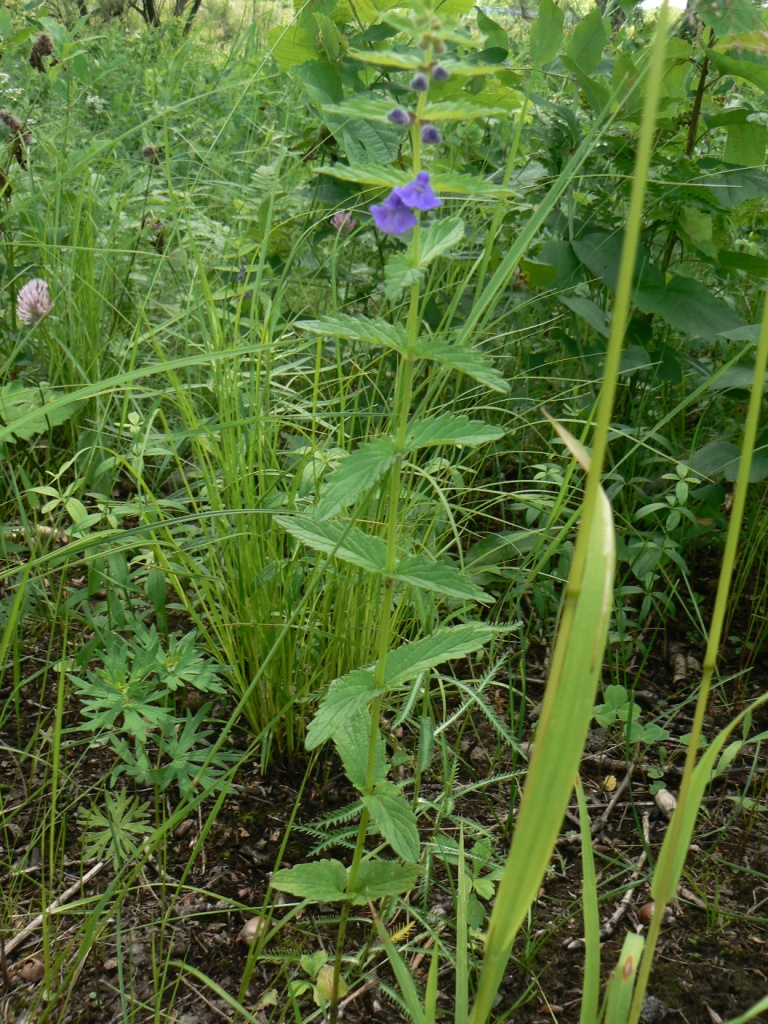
(576, 659)
(402, 406)
(666, 882)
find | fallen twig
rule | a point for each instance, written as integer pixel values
(32, 927)
(609, 927)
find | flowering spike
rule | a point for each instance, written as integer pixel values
(343, 221)
(33, 302)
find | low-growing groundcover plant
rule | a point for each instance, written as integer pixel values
(277, 470)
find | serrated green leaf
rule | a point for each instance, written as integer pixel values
(346, 696)
(395, 819)
(349, 543)
(365, 107)
(450, 429)
(359, 472)
(387, 58)
(493, 32)
(466, 360)
(400, 274)
(465, 110)
(323, 881)
(441, 578)
(439, 237)
(363, 141)
(379, 878)
(754, 71)
(372, 332)
(586, 45)
(410, 660)
(389, 177)
(291, 46)
(546, 33)
(378, 110)
(351, 740)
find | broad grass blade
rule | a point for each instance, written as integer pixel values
(590, 997)
(760, 1007)
(462, 973)
(618, 992)
(560, 736)
(669, 866)
(402, 972)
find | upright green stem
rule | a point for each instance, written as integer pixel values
(501, 206)
(624, 288)
(666, 880)
(399, 429)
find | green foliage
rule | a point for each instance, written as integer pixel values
(257, 435)
(127, 703)
(118, 830)
(618, 706)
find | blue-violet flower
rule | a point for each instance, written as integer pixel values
(430, 136)
(418, 194)
(419, 82)
(393, 217)
(440, 73)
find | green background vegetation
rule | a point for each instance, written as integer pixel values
(278, 488)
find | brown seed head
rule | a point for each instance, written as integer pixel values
(151, 154)
(16, 135)
(42, 47)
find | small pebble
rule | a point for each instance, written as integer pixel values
(253, 929)
(32, 971)
(666, 803)
(653, 1010)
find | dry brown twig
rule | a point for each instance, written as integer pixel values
(609, 927)
(32, 927)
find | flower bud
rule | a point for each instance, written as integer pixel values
(343, 221)
(399, 116)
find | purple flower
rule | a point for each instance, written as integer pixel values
(419, 82)
(399, 116)
(440, 74)
(393, 217)
(343, 221)
(418, 194)
(33, 302)
(430, 136)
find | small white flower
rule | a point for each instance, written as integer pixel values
(33, 302)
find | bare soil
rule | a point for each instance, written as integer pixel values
(188, 906)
